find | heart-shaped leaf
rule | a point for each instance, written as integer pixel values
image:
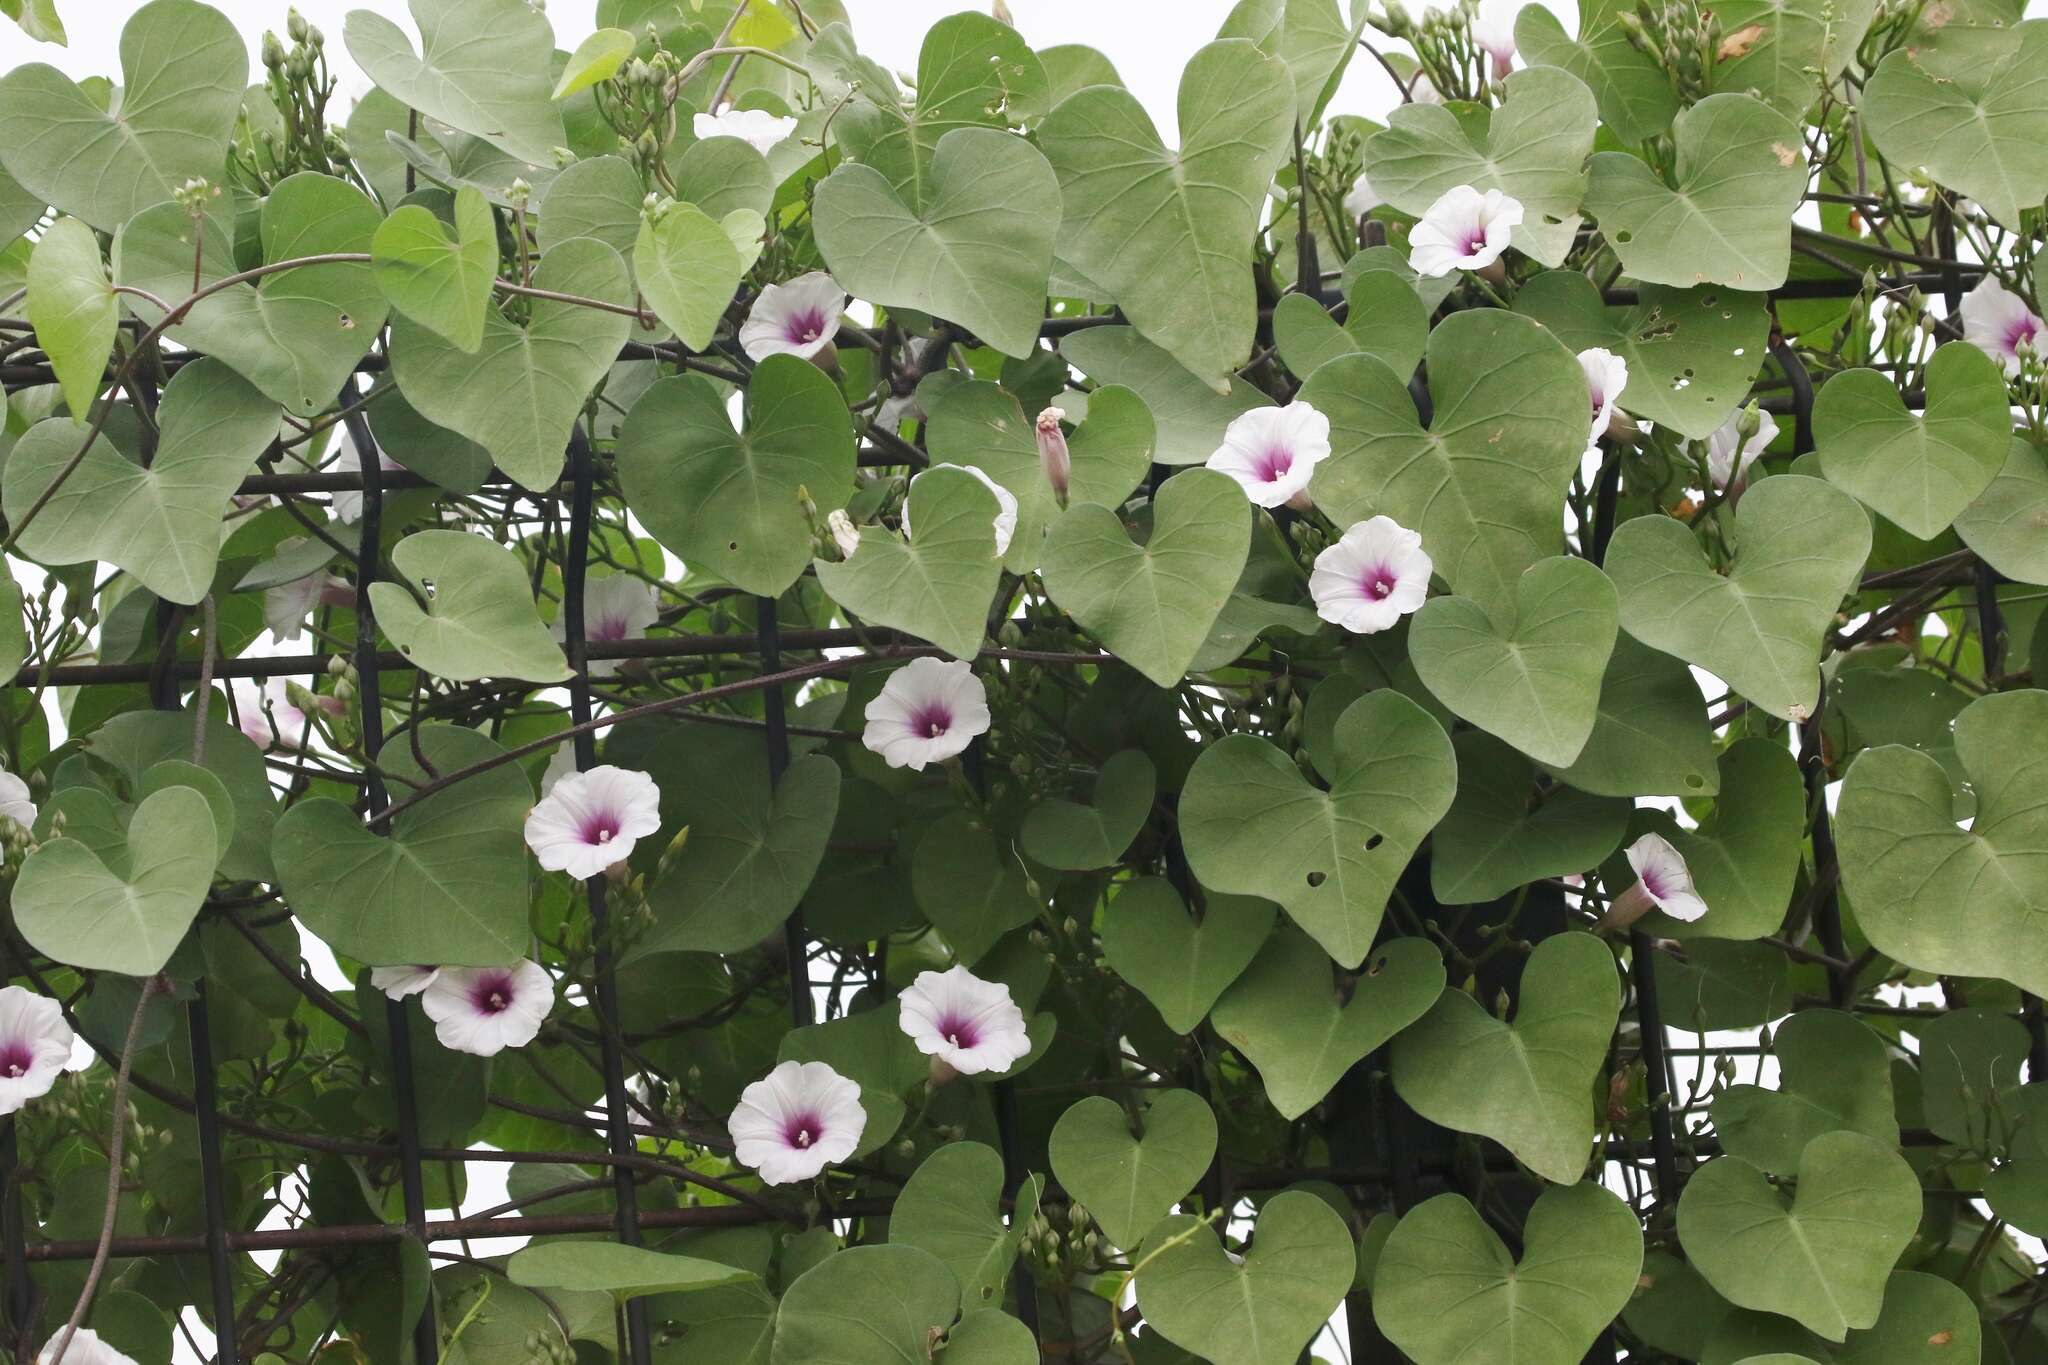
(1299, 1032)
(1822, 1259)
(730, 503)
(484, 67)
(976, 251)
(1129, 1183)
(1074, 838)
(596, 58)
(183, 71)
(121, 909)
(601, 197)
(1800, 544)
(1152, 605)
(1177, 964)
(1634, 95)
(1447, 1290)
(138, 743)
(1309, 37)
(1903, 857)
(1834, 1074)
(1926, 1320)
(1527, 1083)
(1971, 109)
(866, 1305)
(1257, 1310)
(2005, 524)
(1921, 469)
(1744, 856)
(938, 585)
(519, 392)
(1691, 353)
(953, 1208)
(1532, 147)
(1383, 317)
(1726, 218)
(447, 885)
(1483, 480)
(1651, 736)
(688, 264)
(441, 282)
(1718, 984)
(297, 334)
(160, 523)
(1492, 841)
(72, 307)
(972, 890)
(1165, 231)
(1254, 826)
(1792, 46)
(1190, 416)
(479, 620)
(1529, 672)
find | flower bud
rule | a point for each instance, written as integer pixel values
(1053, 455)
(844, 534)
(273, 52)
(295, 24)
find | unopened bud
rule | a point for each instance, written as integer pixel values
(295, 25)
(1053, 455)
(273, 52)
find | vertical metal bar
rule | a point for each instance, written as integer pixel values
(1656, 1065)
(14, 1229)
(638, 1345)
(796, 940)
(426, 1340)
(206, 1107)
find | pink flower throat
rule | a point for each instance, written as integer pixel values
(801, 1130)
(2024, 328)
(15, 1060)
(1379, 582)
(805, 327)
(932, 720)
(959, 1032)
(1274, 465)
(492, 993)
(1475, 239)
(598, 827)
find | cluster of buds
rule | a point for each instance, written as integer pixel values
(1686, 40)
(195, 195)
(1059, 1242)
(299, 84)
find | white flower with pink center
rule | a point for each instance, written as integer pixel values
(1663, 882)
(795, 1121)
(1463, 230)
(1272, 452)
(616, 607)
(267, 716)
(757, 128)
(1999, 323)
(928, 711)
(1006, 505)
(399, 982)
(15, 802)
(1493, 28)
(963, 1022)
(484, 1010)
(85, 1348)
(1374, 575)
(35, 1043)
(591, 820)
(799, 318)
(1606, 377)
(1729, 456)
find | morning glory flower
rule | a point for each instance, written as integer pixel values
(795, 1121)
(1606, 376)
(14, 800)
(1463, 230)
(1372, 577)
(35, 1043)
(1053, 456)
(799, 318)
(1999, 323)
(1271, 452)
(399, 982)
(1729, 456)
(85, 1348)
(267, 715)
(757, 128)
(844, 533)
(615, 607)
(963, 1023)
(484, 1010)
(1361, 198)
(1006, 505)
(1663, 882)
(591, 820)
(347, 505)
(286, 606)
(928, 711)
(1493, 28)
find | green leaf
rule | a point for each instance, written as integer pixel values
(482, 68)
(1527, 1083)
(136, 743)
(1920, 470)
(971, 890)
(479, 621)
(729, 503)
(1284, 1013)
(953, 1208)
(599, 197)
(1309, 37)
(1833, 1075)
(1722, 984)
(1692, 353)
(1822, 1259)
(297, 334)
(688, 267)
(449, 884)
(183, 70)
(126, 908)
(1152, 605)
(866, 1305)
(596, 58)
(989, 1336)
(160, 523)
(40, 21)
(1529, 673)
(1903, 859)
(2004, 524)
(1130, 1182)
(1926, 1321)
(1971, 109)
(1178, 964)
(1492, 841)
(1254, 826)
(1483, 482)
(1533, 148)
(1634, 95)
(1744, 857)
(977, 250)
(1969, 1070)
(1799, 550)
(1725, 218)
(1799, 44)
(937, 586)
(1190, 415)
(624, 1272)
(1075, 838)
(1447, 1290)
(1383, 317)
(1262, 1309)
(442, 283)
(519, 393)
(71, 306)
(1166, 232)
(1651, 736)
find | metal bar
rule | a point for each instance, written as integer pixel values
(21, 1289)
(796, 940)
(206, 1105)
(1656, 1066)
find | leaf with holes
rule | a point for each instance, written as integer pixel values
(1258, 1309)
(1492, 841)
(1181, 966)
(1129, 1182)
(939, 584)
(479, 620)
